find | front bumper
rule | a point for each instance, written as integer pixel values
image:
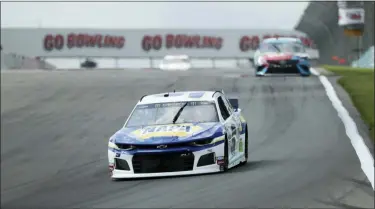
(290, 67)
(166, 162)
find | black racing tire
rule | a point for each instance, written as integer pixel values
(246, 147)
(226, 155)
(308, 70)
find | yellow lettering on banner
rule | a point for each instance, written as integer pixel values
(180, 130)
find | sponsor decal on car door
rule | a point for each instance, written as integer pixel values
(233, 136)
(235, 127)
(238, 123)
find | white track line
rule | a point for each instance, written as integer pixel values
(363, 153)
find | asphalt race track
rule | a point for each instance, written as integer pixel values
(55, 127)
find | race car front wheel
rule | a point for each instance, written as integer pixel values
(246, 147)
(224, 167)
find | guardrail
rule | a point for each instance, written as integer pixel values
(14, 61)
(320, 23)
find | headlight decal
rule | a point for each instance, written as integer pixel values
(261, 60)
(112, 145)
(208, 141)
(218, 139)
(126, 147)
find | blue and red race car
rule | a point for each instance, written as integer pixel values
(281, 55)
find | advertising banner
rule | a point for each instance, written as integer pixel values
(141, 43)
(351, 16)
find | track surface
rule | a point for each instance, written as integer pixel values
(55, 126)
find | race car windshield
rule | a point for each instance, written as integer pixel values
(282, 47)
(164, 113)
(268, 48)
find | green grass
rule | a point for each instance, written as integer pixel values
(359, 83)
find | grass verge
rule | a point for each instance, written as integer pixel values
(359, 83)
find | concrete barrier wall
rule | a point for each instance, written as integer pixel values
(367, 59)
(320, 23)
(14, 61)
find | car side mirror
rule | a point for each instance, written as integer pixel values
(234, 103)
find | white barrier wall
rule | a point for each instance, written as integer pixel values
(14, 61)
(366, 60)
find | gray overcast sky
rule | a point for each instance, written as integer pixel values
(254, 15)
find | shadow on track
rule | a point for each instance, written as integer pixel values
(250, 165)
(282, 75)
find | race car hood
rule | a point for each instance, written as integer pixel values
(167, 134)
(277, 56)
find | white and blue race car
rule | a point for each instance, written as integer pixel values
(179, 133)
